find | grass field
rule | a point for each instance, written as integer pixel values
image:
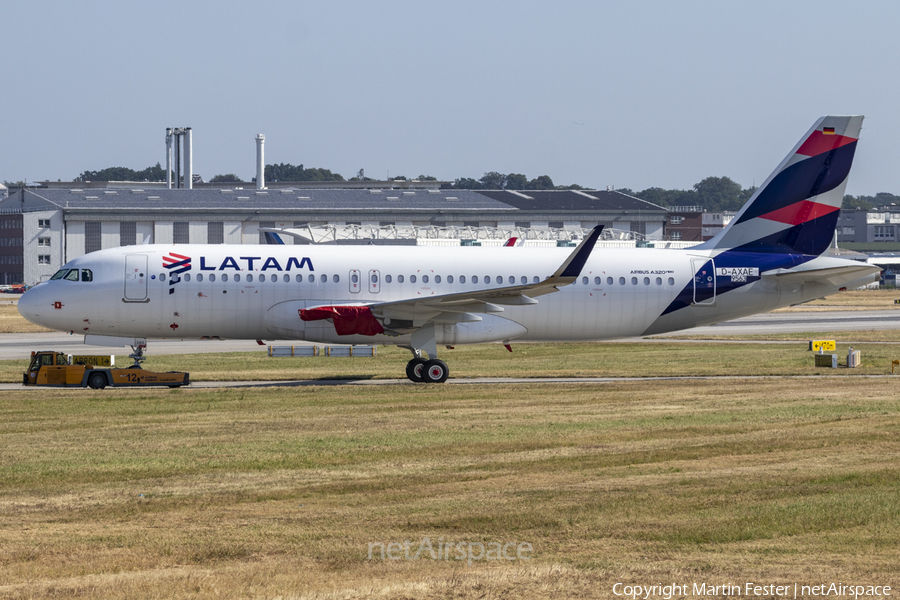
(283, 492)
(279, 492)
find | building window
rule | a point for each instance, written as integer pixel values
(43, 259)
(181, 232)
(92, 239)
(675, 236)
(44, 223)
(127, 233)
(523, 224)
(675, 220)
(44, 242)
(215, 232)
(884, 232)
(848, 230)
(556, 225)
(471, 224)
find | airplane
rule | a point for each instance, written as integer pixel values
(771, 254)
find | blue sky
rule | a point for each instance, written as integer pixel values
(630, 94)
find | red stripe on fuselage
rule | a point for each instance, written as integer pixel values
(801, 212)
(818, 142)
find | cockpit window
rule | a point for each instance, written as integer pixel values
(72, 275)
(87, 275)
(59, 274)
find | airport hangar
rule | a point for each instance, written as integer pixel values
(61, 224)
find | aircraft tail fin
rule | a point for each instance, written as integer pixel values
(273, 238)
(795, 210)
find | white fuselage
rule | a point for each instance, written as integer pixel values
(256, 292)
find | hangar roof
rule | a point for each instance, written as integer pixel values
(291, 199)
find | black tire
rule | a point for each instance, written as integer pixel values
(97, 381)
(436, 371)
(415, 370)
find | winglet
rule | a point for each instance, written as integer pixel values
(569, 270)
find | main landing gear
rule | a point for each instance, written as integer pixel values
(423, 370)
(426, 370)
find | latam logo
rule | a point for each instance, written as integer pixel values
(178, 264)
(250, 263)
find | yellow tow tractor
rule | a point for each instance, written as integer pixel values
(55, 369)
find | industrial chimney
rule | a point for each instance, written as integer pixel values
(188, 159)
(260, 162)
(168, 158)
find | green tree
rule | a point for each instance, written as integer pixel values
(227, 178)
(516, 181)
(541, 183)
(716, 194)
(856, 202)
(426, 178)
(492, 180)
(155, 173)
(467, 183)
(289, 172)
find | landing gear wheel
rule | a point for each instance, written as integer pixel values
(415, 370)
(97, 381)
(436, 371)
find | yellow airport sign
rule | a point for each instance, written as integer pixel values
(97, 360)
(823, 345)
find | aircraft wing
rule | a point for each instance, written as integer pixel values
(405, 316)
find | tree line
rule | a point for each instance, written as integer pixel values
(713, 194)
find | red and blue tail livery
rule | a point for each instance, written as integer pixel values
(795, 211)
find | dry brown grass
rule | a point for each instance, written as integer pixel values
(278, 492)
(12, 322)
(882, 299)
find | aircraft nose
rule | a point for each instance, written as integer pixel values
(31, 307)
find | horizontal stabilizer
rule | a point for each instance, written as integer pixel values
(834, 275)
